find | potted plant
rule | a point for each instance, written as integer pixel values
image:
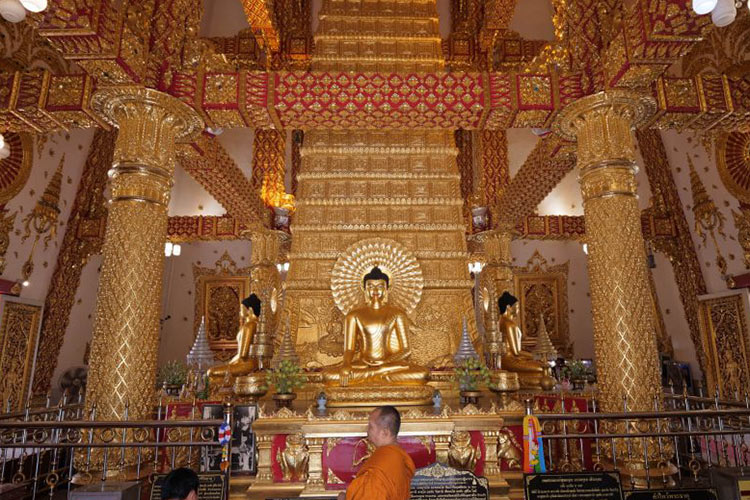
(577, 373)
(285, 378)
(172, 376)
(470, 374)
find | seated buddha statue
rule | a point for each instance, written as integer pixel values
(376, 349)
(531, 373)
(242, 363)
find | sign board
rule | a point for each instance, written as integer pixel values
(585, 485)
(211, 486)
(675, 494)
(439, 482)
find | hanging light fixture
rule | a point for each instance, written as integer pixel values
(702, 7)
(34, 5)
(14, 11)
(4, 148)
(723, 12)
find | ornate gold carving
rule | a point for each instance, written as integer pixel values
(733, 161)
(509, 449)
(16, 167)
(708, 218)
(725, 341)
(462, 454)
(6, 226)
(207, 162)
(625, 346)
(219, 292)
(19, 333)
(680, 248)
(126, 325)
(742, 223)
(43, 218)
(549, 161)
(542, 290)
(83, 237)
(406, 280)
(495, 173)
(294, 459)
(393, 395)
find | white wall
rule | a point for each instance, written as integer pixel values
(74, 146)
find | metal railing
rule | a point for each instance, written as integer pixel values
(676, 444)
(48, 448)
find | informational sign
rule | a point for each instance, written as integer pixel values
(744, 487)
(683, 494)
(438, 482)
(580, 486)
(211, 486)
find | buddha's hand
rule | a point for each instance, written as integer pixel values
(344, 377)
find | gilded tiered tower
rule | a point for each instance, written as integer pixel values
(401, 185)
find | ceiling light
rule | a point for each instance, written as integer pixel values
(34, 5)
(724, 13)
(12, 11)
(168, 247)
(176, 249)
(703, 6)
(26, 283)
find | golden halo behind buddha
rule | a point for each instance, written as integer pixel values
(401, 266)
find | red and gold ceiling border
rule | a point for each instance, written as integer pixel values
(293, 100)
(183, 229)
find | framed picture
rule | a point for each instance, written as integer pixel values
(211, 456)
(243, 439)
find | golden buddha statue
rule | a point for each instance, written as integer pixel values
(242, 363)
(532, 374)
(376, 348)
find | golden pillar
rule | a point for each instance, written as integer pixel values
(265, 282)
(126, 327)
(496, 278)
(624, 332)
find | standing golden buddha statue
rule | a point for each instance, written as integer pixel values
(242, 363)
(376, 353)
(532, 374)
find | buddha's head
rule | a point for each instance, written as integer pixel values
(507, 303)
(376, 286)
(251, 303)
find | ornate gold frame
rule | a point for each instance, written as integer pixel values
(225, 273)
(20, 323)
(726, 342)
(538, 273)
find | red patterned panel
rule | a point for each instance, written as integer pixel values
(338, 462)
(375, 100)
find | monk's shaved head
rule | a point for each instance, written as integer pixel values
(389, 418)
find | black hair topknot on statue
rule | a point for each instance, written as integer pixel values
(252, 302)
(376, 274)
(506, 300)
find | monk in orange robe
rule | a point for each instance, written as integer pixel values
(387, 474)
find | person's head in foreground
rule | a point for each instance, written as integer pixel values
(180, 484)
(383, 426)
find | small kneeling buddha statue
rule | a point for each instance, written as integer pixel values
(376, 348)
(514, 359)
(241, 363)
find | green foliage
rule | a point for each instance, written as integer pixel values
(173, 373)
(576, 370)
(286, 377)
(205, 392)
(471, 374)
